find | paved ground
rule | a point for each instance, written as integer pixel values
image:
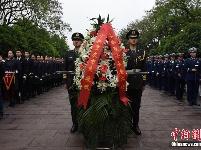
(44, 123)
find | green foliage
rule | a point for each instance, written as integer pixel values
(106, 121)
(43, 13)
(170, 26)
(30, 37)
(99, 21)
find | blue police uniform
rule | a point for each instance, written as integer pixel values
(171, 76)
(180, 75)
(165, 74)
(192, 79)
(159, 69)
(149, 69)
(153, 70)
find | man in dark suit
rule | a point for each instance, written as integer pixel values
(29, 69)
(69, 65)
(21, 77)
(136, 62)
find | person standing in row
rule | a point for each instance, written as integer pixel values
(29, 69)
(193, 67)
(69, 65)
(21, 78)
(12, 65)
(180, 74)
(137, 61)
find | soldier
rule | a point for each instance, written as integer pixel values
(192, 65)
(149, 65)
(137, 61)
(180, 75)
(159, 72)
(70, 58)
(35, 78)
(165, 73)
(171, 74)
(21, 77)
(2, 73)
(12, 65)
(29, 69)
(153, 71)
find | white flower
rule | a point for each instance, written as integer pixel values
(102, 86)
(84, 57)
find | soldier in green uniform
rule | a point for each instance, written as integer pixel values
(137, 62)
(69, 65)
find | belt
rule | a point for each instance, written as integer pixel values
(136, 70)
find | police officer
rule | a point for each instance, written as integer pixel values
(149, 69)
(180, 75)
(159, 69)
(155, 63)
(165, 73)
(192, 65)
(69, 65)
(136, 61)
(171, 74)
(2, 73)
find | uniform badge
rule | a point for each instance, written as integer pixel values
(77, 34)
(133, 32)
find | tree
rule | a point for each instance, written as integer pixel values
(43, 13)
(162, 29)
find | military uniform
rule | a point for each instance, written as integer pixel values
(193, 67)
(165, 74)
(171, 75)
(159, 69)
(12, 65)
(29, 69)
(137, 61)
(149, 69)
(21, 80)
(180, 75)
(69, 65)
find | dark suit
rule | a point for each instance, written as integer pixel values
(14, 66)
(21, 79)
(2, 73)
(29, 69)
(69, 65)
(136, 60)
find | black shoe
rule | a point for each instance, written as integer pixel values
(136, 130)
(190, 104)
(74, 128)
(1, 116)
(197, 104)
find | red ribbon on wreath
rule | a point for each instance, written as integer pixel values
(106, 31)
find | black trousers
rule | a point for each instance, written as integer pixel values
(135, 96)
(180, 84)
(73, 103)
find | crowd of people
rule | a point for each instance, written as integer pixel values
(22, 78)
(174, 75)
